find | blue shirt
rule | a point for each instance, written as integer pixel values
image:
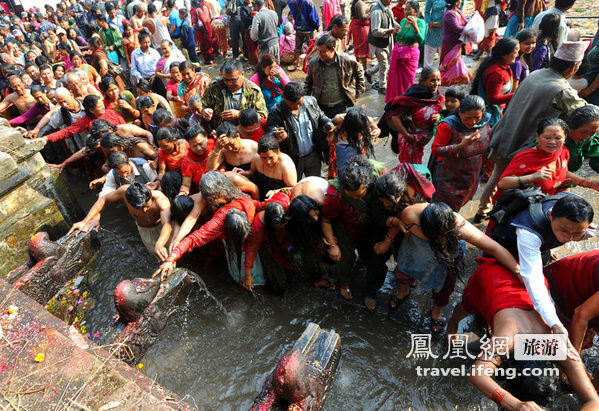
(303, 132)
(173, 18)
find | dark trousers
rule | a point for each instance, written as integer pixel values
(331, 112)
(308, 165)
(377, 265)
(193, 55)
(159, 87)
(236, 30)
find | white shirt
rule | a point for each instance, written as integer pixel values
(57, 121)
(143, 65)
(110, 184)
(531, 270)
(562, 32)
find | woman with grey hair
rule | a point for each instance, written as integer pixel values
(582, 141)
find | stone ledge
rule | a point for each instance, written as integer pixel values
(70, 374)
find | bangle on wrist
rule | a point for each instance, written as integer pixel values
(66, 162)
(520, 182)
(498, 395)
(389, 239)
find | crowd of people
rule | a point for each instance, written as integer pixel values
(232, 164)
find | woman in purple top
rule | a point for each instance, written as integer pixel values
(41, 107)
(520, 68)
(546, 42)
(452, 67)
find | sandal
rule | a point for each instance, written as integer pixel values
(395, 302)
(345, 292)
(437, 325)
(370, 303)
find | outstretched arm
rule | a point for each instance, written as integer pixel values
(92, 219)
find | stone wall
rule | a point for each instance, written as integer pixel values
(33, 197)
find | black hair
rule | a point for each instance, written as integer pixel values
(170, 4)
(472, 102)
(76, 53)
(548, 29)
(144, 85)
(258, 3)
(181, 206)
(574, 208)
(89, 103)
(101, 17)
(265, 60)
(390, 186)
(161, 116)
(426, 72)
(231, 66)
(184, 65)
(455, 92)
(144, 102)
(357, 172)
(107, 82)
(36, 88)
(143, 35)
(138, 195)
(552, 121)
(560, 65)
(228, 129)
(564, 4)
(356, 122)
(152, 8)
(215, 184)
(112, 140)
(450, 4)
(117, 159)
(193, 131)
(237, 228)
(275, 216)
(437, 222)
(522, 36)
(176, 65)
(582, 116)
(502, 48)
(293, 91)
(170, 184)
(267, 143)
(301, 227)
(327, 40)
(183, 11)
(337, 20)
(95, 42)
(167, 133)
(63, 45)
(109, 7)
(414, 5)
(248, 117)
(542, 388)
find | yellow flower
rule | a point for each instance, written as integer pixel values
(140, 365)
(39, 358)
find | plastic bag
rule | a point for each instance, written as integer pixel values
(474, 30)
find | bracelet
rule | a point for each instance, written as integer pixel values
(519, 181)
(66, 162)
(498, 395)
(183, 192)
(214, 153)
(387, 238)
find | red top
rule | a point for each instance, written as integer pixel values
(336, 206)
(443, 137)
(169, 160)
(493, 288)
(194, 166)
(215, 228)
(259, 236)
(259, 131)
(494, 78)
(399, 13)
(532, 160)
(84, 123)
(574, 280)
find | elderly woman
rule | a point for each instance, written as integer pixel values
(192, 83)
(169, 56)
(582, 141)
(545, 165)
(78, 63)
(411, 118)
(452, 67)
(271, 79)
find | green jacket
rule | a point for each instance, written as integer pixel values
(588, 148)
(214, 98)
(112, 37)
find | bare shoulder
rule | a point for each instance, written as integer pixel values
(411, 214)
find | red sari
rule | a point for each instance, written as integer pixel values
(532, 160)
(200, 19)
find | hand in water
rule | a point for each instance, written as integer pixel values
(248, 283)
(160, 252)
(528, 406)
(85, 227)
(165, 270)
(60, 166)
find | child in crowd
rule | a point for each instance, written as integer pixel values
(453, 97)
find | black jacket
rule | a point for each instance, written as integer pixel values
(280, 116)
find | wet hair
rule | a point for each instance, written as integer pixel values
(472, 102)
(267, 143)
(455, 92)
(541, 388)
(138, 195)
(161, 116)
(237, 228)
(574, 208)
(502, 48)
(337, 20)
(89, 104)
(355, 123)
(170, 184)
(248, 117)
(167, 133)
(548, 29)
(390, 186)
(195, 130)
(144, 85)
(228, 129)
(181, 206)
(293, 91)
(107, 82)
(327, 40)
(117, 159)
(231, 66)
(583, 116)
(357, 172)
(275, 216)
(552, 121)
(437, 222)
(214, 185)
(144, 102)
(112, 140)
(266, 60)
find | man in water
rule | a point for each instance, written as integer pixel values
(150, 209)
